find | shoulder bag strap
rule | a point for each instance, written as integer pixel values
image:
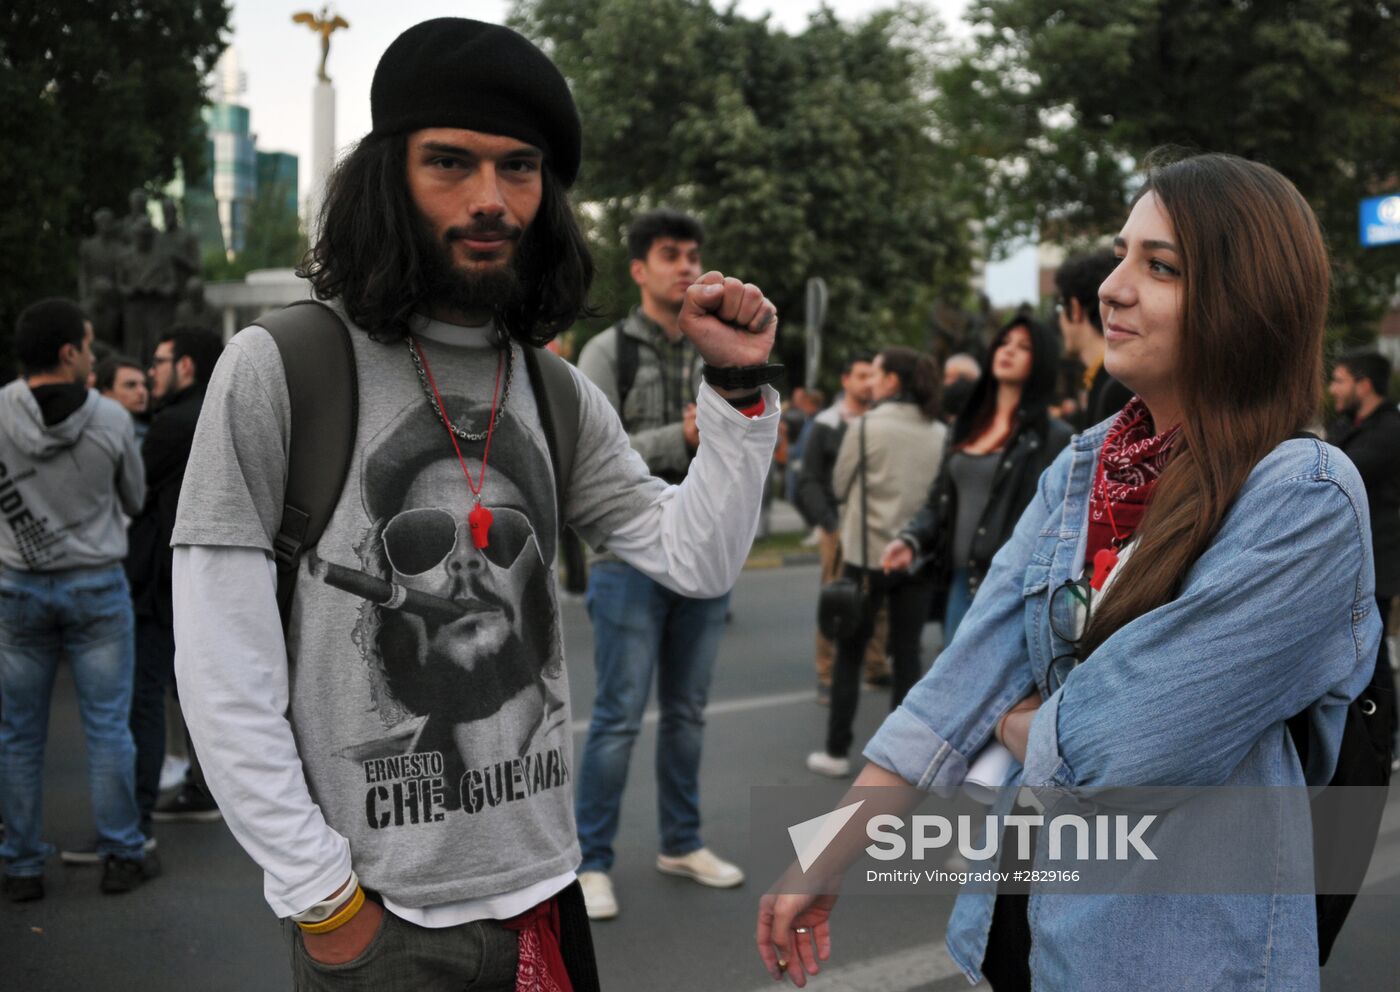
(864, 529)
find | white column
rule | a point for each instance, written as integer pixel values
(322, 151)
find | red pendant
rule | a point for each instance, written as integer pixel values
(1105, 559)
(479, 523)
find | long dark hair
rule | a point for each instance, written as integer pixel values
(918, 378)
(1036, 391)
(1254, 304)
(369, 254)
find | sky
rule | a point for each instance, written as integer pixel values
(279, 60)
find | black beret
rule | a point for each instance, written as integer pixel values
(454, 72)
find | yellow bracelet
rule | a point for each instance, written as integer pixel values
(342, 916)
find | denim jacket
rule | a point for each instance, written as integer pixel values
(1277, 616)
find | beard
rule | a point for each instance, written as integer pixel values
(496, 287)
(440, 686)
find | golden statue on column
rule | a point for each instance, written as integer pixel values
(325, 24)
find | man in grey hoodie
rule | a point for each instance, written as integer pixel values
(69, 468)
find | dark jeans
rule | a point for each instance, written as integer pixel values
(481, 956)
(155, 672)
(909, 601)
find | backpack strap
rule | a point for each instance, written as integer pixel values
(556, 396)
(318, 360)
(628, 357)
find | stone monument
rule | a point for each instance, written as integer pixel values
(146, 281)
(324, 24)
(103, 305)
(194, 310)
(97, 255)
(137, 203)
(179, 243)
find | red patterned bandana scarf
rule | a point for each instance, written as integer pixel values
(541, 962)
(1130, 463)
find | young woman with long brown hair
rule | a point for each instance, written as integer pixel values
(1003, 439)
(1240, 593)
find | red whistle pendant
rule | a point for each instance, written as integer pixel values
(479, 523)
(1104, 561)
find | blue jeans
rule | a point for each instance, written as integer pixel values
(639, 628)
(959, 599)
(85, 616)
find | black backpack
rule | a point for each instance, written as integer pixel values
(627, 360)
(1362, 760)
(319, 362)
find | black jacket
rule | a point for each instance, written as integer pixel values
(816, 499)
(1374, 448)
(165, 453)
(1029, 452)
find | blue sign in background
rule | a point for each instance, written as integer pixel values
(1380, 220)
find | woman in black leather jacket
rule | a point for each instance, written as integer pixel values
(1002, 441)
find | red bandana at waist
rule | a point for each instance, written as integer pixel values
(541, 967)
(1130, 463)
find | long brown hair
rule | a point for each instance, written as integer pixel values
(370, 251)
(1254, 304)
(980, 409)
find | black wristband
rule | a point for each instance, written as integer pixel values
(742, 376)
(745, 401)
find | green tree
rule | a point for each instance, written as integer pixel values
(805, 155)
(97, 98)
(1059, 100)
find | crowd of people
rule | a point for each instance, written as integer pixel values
(371, 666)
(93, 457)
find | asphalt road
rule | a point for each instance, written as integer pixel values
(204, 926)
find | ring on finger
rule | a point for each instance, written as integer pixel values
(801, 930)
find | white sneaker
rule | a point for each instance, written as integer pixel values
(704, 866)
(828, 764)
(172, 772)
(598, 898)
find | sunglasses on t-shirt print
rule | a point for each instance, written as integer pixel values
(419, 540)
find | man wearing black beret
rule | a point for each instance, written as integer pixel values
(398, 758)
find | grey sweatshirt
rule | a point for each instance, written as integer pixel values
(63, 487)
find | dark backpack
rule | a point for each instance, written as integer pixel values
(319, 362)
(1362, 760)
(627, 359)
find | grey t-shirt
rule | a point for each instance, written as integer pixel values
(972, 477)
(433, 730)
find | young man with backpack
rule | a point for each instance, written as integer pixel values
(642, 629)
(399, 759)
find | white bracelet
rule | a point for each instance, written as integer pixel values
(326, 908)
